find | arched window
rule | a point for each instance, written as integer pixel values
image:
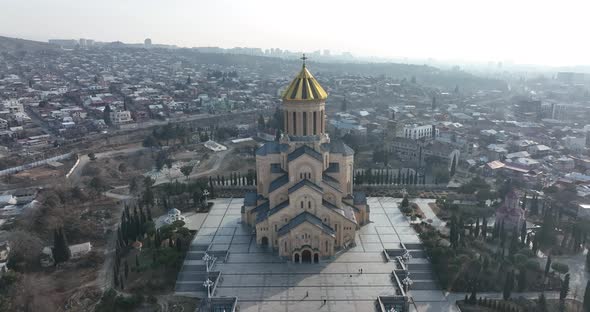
(326, 246)
(285, 245)
(276, 229)
(309, 204)
(301, 204)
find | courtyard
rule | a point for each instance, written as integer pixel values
(264, 282)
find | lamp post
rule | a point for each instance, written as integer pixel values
(206, 258)
(407, 282)
(205, 193)
(208, 283)
(208, 261)
(407, 256)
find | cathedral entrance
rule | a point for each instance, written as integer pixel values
(306, 256)
(264, 242)
(316, 258)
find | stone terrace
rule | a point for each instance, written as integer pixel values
(264, 282)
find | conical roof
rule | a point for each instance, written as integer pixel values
(304, 88)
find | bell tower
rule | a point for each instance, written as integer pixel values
(304, 106)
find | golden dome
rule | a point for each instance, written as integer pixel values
(304, 87)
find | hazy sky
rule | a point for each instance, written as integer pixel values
(524, 31)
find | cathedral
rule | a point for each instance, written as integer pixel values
(304, 207)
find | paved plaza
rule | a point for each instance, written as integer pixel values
(264, 282)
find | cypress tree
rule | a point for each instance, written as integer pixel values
(61, 250)
(68, 253)
(142, 218)
(513, 243)
(542, 303)
(178, 244)
(547, 266)
(523, 232)
(586, 302)
(126, 270)
(495, 231)
(508, 285)
(56, 247)
(473, 297)
(149, 214)
(522, 282)
(534, 205)
(502, 234)
(565, 287)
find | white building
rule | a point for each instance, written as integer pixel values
(76, 251)
(416, 132)
(574, 143)
(214, 146)
(120, 117)
(13, 106)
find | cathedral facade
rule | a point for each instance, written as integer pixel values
(304, 206)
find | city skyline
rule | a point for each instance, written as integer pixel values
(513, 32)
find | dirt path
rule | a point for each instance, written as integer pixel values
(219, 158)
(104, 278)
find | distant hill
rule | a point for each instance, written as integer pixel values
(8, 44)
(428, 75)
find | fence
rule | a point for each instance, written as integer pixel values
(34, 164)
